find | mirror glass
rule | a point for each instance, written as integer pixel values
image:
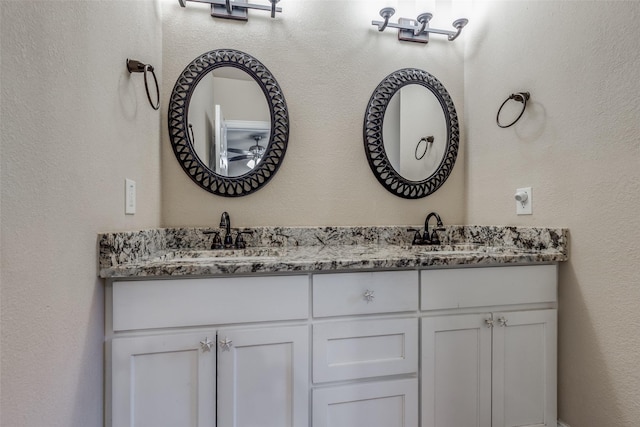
(229, 122)
(414, 132)
(411, 133)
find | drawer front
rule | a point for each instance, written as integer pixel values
(363, 349)
(364, 293)
(192, 302)
(373, 404)
(489, 286)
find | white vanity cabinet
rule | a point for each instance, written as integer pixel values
(448, 347)
(175, 359)
(489, 368)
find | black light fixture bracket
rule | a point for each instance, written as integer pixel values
(235, 9)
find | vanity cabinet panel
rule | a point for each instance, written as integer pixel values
(236, 351)
(163, 381)
(364, 293)
(372, 404)
(192, 302)
(487, 286)
(364, 349)
(263, 377)
(489, 370)
(525, 368)
(456, 371)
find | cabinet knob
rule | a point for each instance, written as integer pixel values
(368, 296)
(225, 344)
(489, 322)
(206, 344)
(502, 321)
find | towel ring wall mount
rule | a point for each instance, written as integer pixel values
(521, 97)
(134, 66)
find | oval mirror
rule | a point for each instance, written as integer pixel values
(411, 133)
(228, 123)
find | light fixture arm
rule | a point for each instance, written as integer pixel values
(386, 13)
(417, 30)
(423, 19)
(274, 9)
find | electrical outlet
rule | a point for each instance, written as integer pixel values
(524, 201)
(129, 196)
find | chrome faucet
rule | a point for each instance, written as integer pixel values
(225, 222)
(432, 239)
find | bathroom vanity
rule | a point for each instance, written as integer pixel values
(362, 329)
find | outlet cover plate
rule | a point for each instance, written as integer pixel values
(525, 208)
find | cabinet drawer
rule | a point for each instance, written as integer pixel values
(364, 293)
(364, 349)
(373, 404)
(488, 286)
(193, 302)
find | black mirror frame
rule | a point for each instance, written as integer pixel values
(178, 121)
(374, 144)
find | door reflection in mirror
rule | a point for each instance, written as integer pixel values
(414, 118)
(230, 121)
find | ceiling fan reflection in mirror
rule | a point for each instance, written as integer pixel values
(253, 154)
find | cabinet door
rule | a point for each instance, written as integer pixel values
(263, 377)
(456, 371)
(164, 381)
(371, 404)
(524, 368)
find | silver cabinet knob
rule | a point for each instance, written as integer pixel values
(206, 344)
(489, 322)
(502, 321)
(368, 296)
(225, 344)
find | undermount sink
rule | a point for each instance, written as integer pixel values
(463, 248)
(221, 255)
(280, 254)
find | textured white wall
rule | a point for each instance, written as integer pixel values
(578, 146)
(74, 125)
(328, 59)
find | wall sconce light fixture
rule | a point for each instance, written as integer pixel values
(235, 9)
(417, 30)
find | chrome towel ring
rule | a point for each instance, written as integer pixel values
(138, 67)
(522, 97)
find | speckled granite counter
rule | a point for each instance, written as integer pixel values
(185, 251)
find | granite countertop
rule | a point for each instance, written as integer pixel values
(185, 251)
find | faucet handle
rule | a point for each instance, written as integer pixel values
(217, 241)
(417, 239)
(240, 243)
(435, 239)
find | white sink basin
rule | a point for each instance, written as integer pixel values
(222, 255)
(461, 249)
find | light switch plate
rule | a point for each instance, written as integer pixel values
(129, 196)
